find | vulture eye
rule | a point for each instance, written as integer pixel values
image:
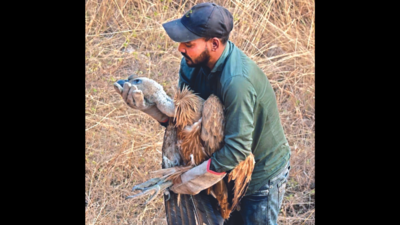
(137, 81)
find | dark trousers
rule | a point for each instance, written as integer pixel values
(262, 207)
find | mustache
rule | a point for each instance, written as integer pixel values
(187, 57)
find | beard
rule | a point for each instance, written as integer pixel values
(201, 60)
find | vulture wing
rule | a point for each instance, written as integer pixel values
(232, 188)
(186, 209)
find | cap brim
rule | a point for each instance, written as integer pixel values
(179, 33)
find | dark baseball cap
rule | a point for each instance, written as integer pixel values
(202, 20)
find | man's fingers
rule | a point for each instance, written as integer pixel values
(136, 97)
(127, 94)
(139, 98)
(118, 88)
(131, 95)
(127, 87)
(130, 100)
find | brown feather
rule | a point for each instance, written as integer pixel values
(171, 173)
(191, 144)
(188, 110)
(212, 132)
(241, 175)
(221, 194)
(188, 107)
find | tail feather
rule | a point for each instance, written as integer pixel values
(207, 212)
(170, 209)
(193, 209)
(186, 211)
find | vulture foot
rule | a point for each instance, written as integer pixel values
(151, 187)
(146, 184)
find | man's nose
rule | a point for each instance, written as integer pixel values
(181, 48)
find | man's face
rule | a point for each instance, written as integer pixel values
(195, 52)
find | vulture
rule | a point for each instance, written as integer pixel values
(194, 132)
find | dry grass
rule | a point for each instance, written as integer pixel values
(123, 145)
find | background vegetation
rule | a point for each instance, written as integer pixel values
(123, 145)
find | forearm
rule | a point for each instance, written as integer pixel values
(197, 179)
(156, 114)
(239, 101)
(228, 157)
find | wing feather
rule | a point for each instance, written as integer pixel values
(212, 130)
(241, 175)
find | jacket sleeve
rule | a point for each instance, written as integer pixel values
(165, 124)
(239, 99)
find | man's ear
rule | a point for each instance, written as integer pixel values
(216, 43)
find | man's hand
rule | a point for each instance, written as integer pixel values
(134, 98)
(196, 179)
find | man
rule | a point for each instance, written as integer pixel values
(211, 64)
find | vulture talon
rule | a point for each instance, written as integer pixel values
(143, 186)
(153, 196)
(145, 192)
(158, 185)
(166, 192)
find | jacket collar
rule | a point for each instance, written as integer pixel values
(221, 61)
(219, 65)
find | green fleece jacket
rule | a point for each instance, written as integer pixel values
(251, 114)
